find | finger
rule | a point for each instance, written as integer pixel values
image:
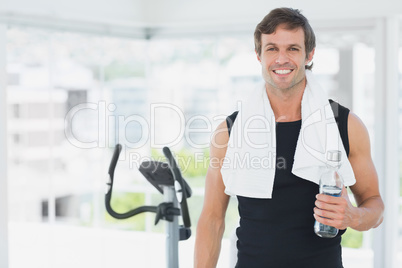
(327, 214)
(325, 203)
(340, 207)
(327, 198)
(322, 205)
(326, 221)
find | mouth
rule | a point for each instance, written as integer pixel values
(283, 71)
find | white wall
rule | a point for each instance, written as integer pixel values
(3, 154)
(182, 13)
(104, 11)
(224, 11)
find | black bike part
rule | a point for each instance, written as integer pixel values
(108, 196)
(177, 177)
(157, 173)
(115, 158)
(166, 211)
(184, 233)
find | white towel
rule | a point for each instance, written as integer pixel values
(249, 166)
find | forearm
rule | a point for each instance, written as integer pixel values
(368, 214)
(208, 243)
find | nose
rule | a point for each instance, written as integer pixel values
(282, 58)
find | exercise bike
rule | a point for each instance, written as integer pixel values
(167, 179)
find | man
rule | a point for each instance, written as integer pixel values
(276, 230)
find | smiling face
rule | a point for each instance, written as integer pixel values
(283, 59)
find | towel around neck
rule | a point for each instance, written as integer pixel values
(249, 166)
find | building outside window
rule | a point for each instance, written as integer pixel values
(72, 97)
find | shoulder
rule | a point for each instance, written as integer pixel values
(220, 137)
(219, 140)
(359, 140)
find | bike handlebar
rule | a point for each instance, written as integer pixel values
(108, 196)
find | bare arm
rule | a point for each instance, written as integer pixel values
(369, 211)
(211, 224)
(366, 190)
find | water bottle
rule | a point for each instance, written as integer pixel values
(331, 183)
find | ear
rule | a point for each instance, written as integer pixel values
(258, 56)
(310, 56)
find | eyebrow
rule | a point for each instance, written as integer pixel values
(290, 45)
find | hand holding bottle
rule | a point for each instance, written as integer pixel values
(337, 212)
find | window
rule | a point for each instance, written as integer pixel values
(74, 96)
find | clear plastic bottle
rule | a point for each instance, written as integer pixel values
(331, 183)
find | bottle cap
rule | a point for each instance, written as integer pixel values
(334, 155)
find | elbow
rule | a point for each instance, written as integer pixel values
(381, 214)
(380, 220)
(371, 214)
(381, 217)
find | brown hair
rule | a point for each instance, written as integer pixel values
(291, 19)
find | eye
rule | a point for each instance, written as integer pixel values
(294, 49)
(270, 49)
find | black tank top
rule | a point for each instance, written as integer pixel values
(278, 232)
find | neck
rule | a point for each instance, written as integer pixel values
(286, 104)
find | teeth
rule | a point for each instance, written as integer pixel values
(282, 71)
